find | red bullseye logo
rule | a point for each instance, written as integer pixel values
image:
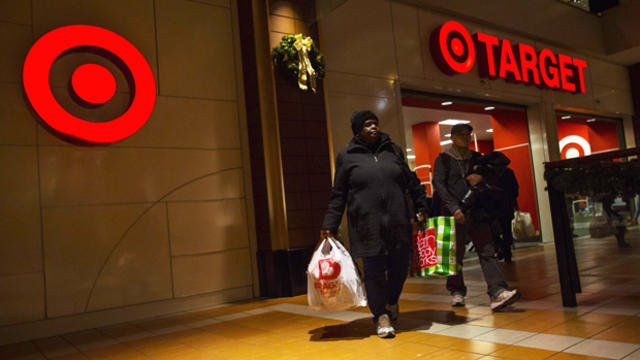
(573, 146)
(453, 48)
(90, 83)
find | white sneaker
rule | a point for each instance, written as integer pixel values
(394, 311)
(385, 330)
(504, 299)
(457, 300)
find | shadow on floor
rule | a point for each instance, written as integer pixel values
(408, 321)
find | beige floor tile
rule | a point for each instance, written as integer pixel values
(567, 356)
(532, 325)
(478, 347)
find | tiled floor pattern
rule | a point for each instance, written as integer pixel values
(606, 324)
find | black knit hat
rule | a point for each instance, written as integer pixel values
(358, 118)
(458, 127)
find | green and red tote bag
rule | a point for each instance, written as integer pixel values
(435, 248)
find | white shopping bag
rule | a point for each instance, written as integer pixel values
(522, 225)
(333, 283)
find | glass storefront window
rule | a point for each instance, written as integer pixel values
(583, 135)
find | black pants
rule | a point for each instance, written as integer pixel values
(479, 233)
(507, 235)
(384, 277)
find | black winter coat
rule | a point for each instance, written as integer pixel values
(372, 185)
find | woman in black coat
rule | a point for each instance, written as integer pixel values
(371, 179)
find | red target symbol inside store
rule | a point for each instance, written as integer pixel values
(91, 84)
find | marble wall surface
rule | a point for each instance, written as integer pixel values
(161, 215)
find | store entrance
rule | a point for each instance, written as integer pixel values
(427, 123)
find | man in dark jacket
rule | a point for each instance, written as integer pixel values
(503, 239)
(371, 179)
(452, 179)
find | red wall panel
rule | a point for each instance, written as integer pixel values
(426, 146)
(484, 146)
(603, 135)
(510, 129)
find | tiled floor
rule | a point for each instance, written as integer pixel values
(606, 324)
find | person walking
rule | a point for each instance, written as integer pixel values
(452, 179)
(372, 179)
(508, 183)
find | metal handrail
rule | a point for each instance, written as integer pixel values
(609, 155)
(430, 176)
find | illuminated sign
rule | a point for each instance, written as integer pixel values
(455, 52)
(91, 84)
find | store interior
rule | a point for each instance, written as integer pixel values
(497, 127)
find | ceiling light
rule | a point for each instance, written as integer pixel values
(591, 120)
(446, 142)
(409, 150)
(447, 135)
(490, 130)
(411, 156)
(446, 103)
(566, 117)
(453, 122)
(489, 108)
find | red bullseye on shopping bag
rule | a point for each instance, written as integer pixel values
(91, 83)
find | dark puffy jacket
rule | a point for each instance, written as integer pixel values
(449, 178)
(372, 184)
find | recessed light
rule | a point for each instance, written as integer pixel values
(411, 156)
(489, 108)
(446, 142)
(447, 135)
(446, 103)
(490, 130)
(566, 117)
(453, 122)
(591, 120)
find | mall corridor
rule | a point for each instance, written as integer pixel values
(604, 326)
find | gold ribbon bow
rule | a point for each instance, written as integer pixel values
(303, 45)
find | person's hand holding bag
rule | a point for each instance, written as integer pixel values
(325, 234)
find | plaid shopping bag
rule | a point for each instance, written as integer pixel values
(435, 248)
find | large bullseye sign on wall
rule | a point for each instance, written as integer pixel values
(91, 84)
(455, 51)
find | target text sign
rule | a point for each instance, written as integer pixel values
(455, 52)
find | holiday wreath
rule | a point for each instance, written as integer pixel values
(299, 59)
